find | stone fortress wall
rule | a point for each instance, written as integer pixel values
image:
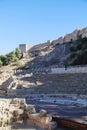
(75, 35)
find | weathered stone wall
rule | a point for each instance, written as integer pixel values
(69, 70)
(75, 35)
(15, 110)
(11, 110)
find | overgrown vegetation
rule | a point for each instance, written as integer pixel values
(78, 52)
(11, 57)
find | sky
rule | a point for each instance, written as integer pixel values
(36, 21)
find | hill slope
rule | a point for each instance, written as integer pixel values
(34, 80)
(56, 52)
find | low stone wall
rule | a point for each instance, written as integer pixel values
(69, 70)
(54, 69)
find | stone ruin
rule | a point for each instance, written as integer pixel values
(16, 110)
(11, 110)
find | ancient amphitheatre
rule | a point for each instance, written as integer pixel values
(40, 76)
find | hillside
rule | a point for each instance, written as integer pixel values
(58, 52)
(64, 50)
(32, 74)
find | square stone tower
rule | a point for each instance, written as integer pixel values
(24, 47)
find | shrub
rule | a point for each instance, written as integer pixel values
(79, 52)
(18, 53)
(73, 55)
(80, 59)
(79, 46)
(0, 63)
(11, 57)
(73, 49)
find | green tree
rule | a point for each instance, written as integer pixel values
(3, 58)
(0, 63)
(11, 57)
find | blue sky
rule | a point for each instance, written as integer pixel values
(36, 21)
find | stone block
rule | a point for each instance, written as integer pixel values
(43, 112)
(30, 110)
(36, 117)
(18, 112)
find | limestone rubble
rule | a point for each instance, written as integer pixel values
(11, 110)
(15, 110)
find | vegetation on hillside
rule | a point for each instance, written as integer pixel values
(11, 57)
(78, 52)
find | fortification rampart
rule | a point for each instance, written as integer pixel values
(75, 35)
